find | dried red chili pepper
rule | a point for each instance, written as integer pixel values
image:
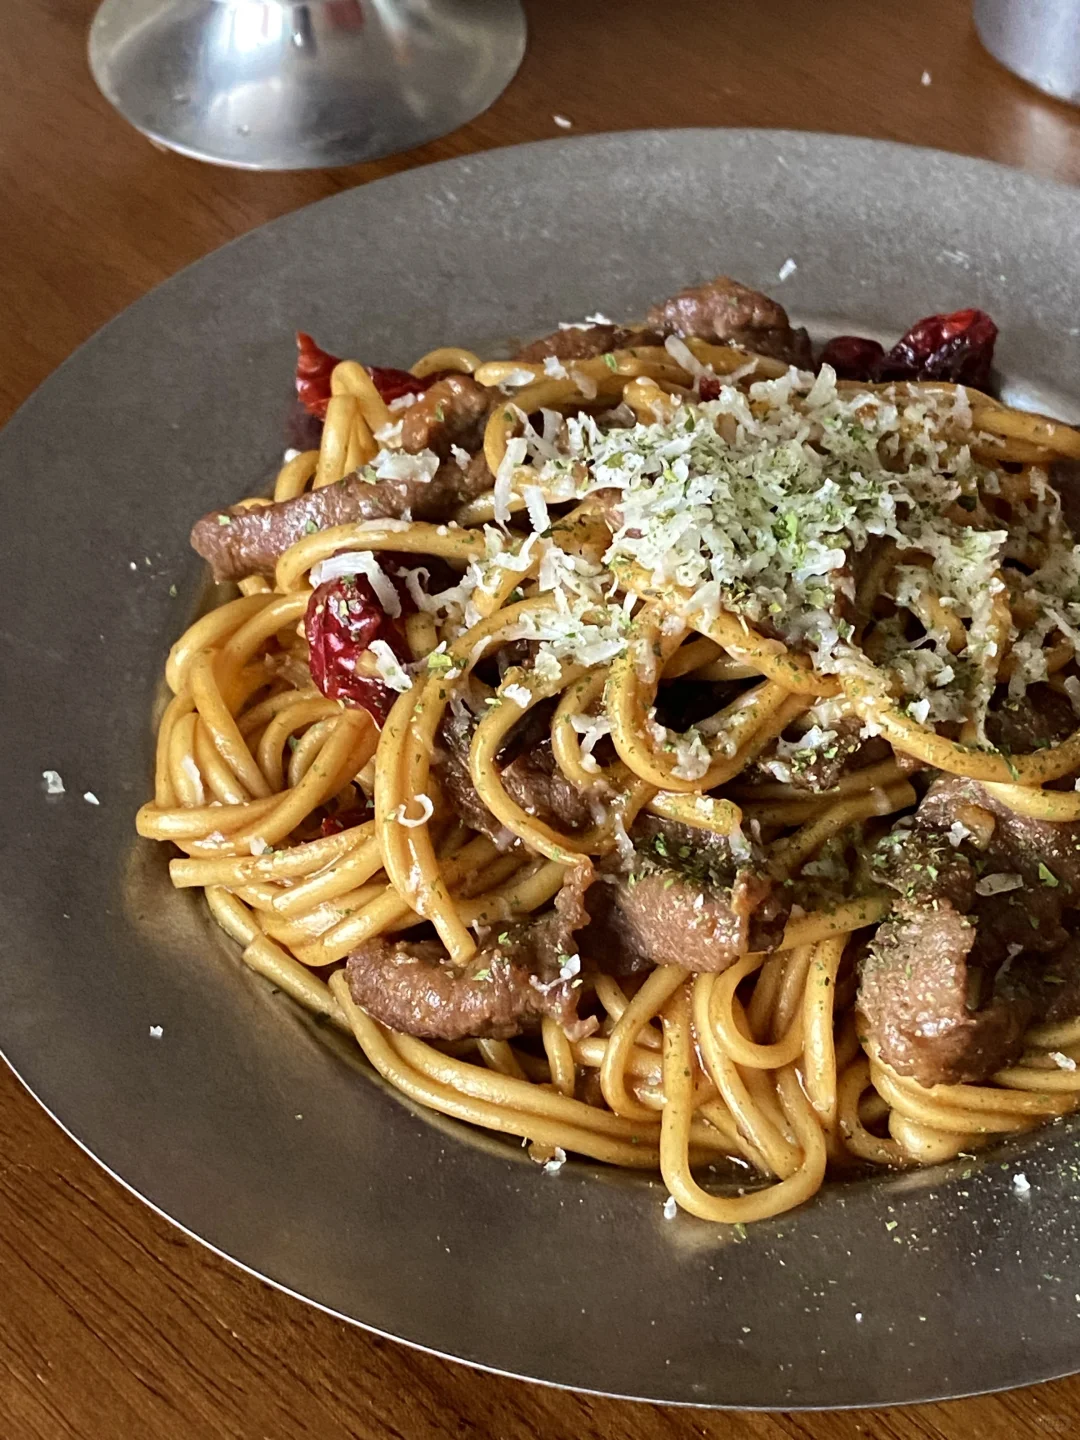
(958, 347)
(343, 619)
(314, 367)
(852, 357)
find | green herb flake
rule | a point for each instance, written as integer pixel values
(1048, 877)
(311, 528)
(610, 361)
(224, 519)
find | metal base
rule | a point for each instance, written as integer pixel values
(268, 85)
(1039, 40)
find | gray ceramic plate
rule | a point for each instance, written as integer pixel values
(240, 1122)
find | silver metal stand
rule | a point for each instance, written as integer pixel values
(269, 85)
(1039, 40)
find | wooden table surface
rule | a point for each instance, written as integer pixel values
(112, 1323)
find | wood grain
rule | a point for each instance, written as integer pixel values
(113, 1323)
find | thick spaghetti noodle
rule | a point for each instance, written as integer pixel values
(730, 618)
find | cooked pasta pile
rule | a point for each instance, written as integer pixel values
(710, 634)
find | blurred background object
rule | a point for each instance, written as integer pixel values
(271, 85)
(1039, 40)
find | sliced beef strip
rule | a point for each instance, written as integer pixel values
(531, 779)
(1043, 717)
(240, 542)
(817, 769)
(1046, 855)
(451, 765)
(452, 412)
(535, 782)
(1053, 984)
(946, 966)
(686, 901)
(940, 1018)
(725, 311)
(585, 343)
(914, 995)
(510, 984)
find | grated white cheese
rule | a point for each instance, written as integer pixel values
(91, 798)
(758, 503)
(1021, 1184)
(592, 729)
(516, 450)
(1062, 1061)
(692, 758)
(585, 383)
(415, 580)
(400, 465)
(359, 562)
(787, 269)
(681, 353)
(537, 508)
(156, 1032)
(53, 783)
(547, 667)
(515, 379)
(763, 516)
(554, 368)
(257, 845)
(391, 671)
(671, 1208)
(741, 850)
(571, 966)
(623, 844)
(519, 695)
(557, 1161)
(427, 809)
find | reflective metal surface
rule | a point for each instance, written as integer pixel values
(242, 1121)
(1039, 40)
(269, 85)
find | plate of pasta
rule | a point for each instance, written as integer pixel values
(592, 829)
